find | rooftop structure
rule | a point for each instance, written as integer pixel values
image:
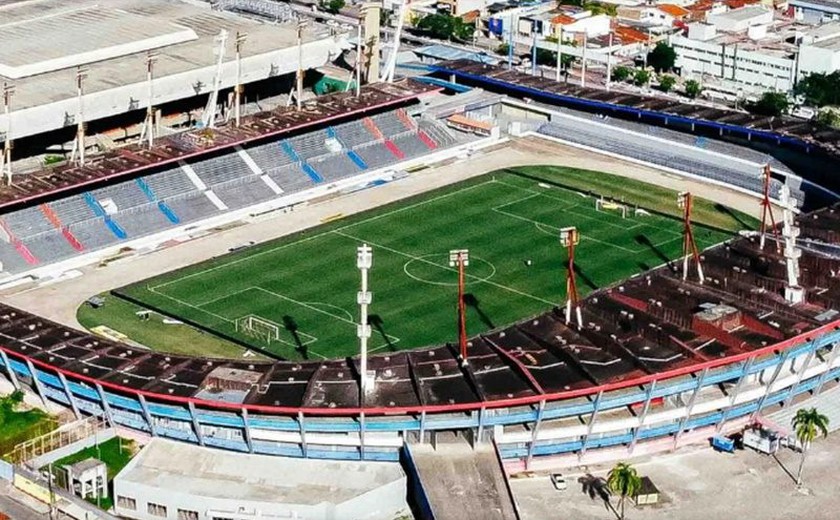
(44, 42)
(177, 476)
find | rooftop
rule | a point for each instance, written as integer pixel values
(742, 14)
(224, 474)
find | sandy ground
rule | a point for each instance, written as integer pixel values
(701, 484)
(59, 301)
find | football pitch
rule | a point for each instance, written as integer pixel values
(295, 297)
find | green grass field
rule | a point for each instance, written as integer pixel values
(306, 283)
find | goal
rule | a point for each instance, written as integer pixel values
(259, 328)
(611, 207)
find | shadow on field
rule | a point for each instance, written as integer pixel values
(471, 300)
(645, 241)
(375, 321)
(586, 279)
(291, 325)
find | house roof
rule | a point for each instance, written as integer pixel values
(674, 10)
(630, 35)
(470, 16)
(562, 19)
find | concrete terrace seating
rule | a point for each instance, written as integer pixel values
(27, 222)
(353, 134)
(221, 169)
(335, 167)
(124, 195)
(73, 209)
(170, 183)
(136, 212)
(244, 192)
(269, 156)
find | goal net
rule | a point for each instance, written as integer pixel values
(259, 328)
(609, 206)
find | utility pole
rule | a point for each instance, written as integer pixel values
(299, 76)
(609, 61)
(79, 143)
(6, 156)
(147, 133)
(237, 90)
(559, 55)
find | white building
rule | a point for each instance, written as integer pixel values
(179, 481)
(756, 60)
(738, 20)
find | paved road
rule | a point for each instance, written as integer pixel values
(15, 510)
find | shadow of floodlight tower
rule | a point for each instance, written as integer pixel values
(460, 258)
(569, 238)
(685, 202)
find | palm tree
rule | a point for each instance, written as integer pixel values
(625, 482)
(808, 425)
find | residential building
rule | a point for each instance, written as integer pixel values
(755, 60)
(738, 20)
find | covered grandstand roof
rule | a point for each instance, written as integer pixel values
(135, 158)
(652, 326)
(43, 42)
(783, 128)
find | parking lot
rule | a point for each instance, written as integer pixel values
(704, 485)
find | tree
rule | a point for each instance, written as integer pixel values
(503, 49)
(621, 73)
(446, 27)
(820, 89)
(770, 104)
(623, 480)
(641, 77)
(662, 57)
(332, 6)
(808, 424)
(667, 82)
(828, 117)
(693, 88)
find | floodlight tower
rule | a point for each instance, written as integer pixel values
(147, 132)
(794, 293)
(685, 202)
(569, 238)
(209, 116)
(460, 258)
(299, 74)
(6, 156)
(79, 143)
(237, 90)
(767, 212)
(364, 261)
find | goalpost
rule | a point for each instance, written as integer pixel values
(259, 328)
(604, 205)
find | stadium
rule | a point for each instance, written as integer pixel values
(655, 354)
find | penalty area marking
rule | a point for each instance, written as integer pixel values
(473, 259)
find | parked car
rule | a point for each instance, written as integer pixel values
(559, 481)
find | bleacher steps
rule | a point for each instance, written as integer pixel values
(215, 200)
(273, 186)
(188, 170)
(247, 159)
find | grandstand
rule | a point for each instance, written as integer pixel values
(196, 190)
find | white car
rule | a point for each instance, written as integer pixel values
(559, 482)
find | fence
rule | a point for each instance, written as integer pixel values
(66, 435)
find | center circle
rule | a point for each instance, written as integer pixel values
(434, 269)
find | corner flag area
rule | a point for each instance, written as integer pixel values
(295, 297)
